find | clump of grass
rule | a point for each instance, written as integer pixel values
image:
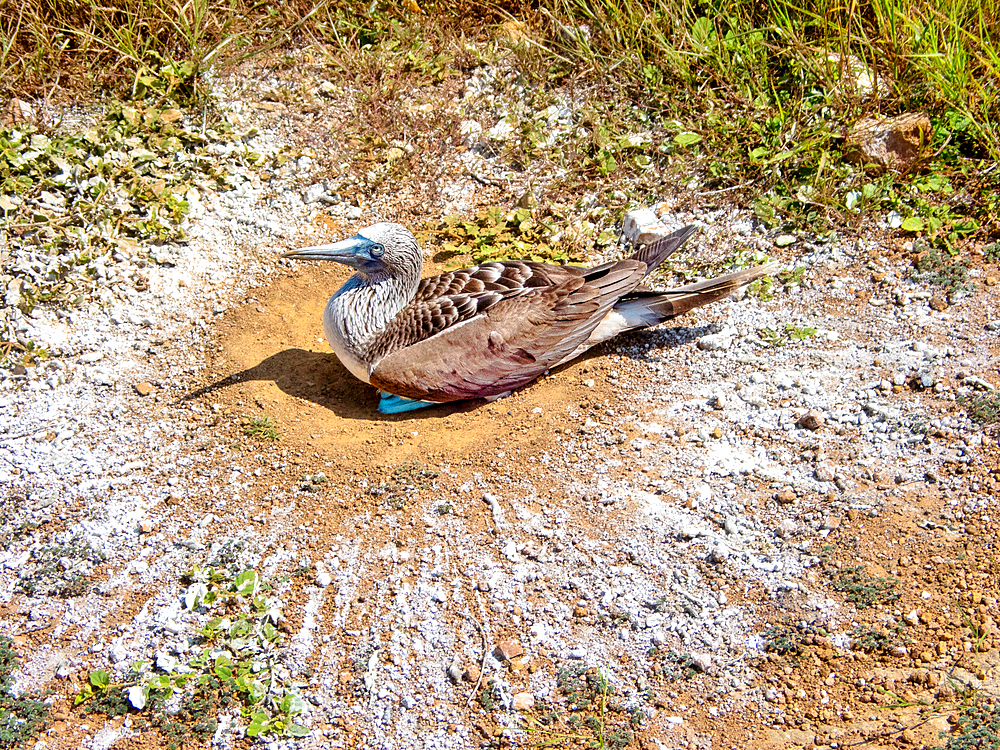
(22, 717)
(262, 428)
(121, 45)
(864, 590)
(762, 95)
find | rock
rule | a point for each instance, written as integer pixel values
(812, 420)
(471, 674)
(455, 672)
(784, 240)
(701, 662)
(824, 472)
(642, 225)
(893, 143)
(720, 553)
(323, 578)
(144, 388)
(313, 193)
(938, 303)
(785, 495)
(508, 650)
(715, 342)
(524, 702)
(786, 528)
(912, 618)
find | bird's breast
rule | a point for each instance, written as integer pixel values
(342, 343)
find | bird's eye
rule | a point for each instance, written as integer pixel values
(377, 251)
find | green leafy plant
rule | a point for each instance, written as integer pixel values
(978, 726)
(589, 695)
(879, 640)
(238, 660)
(406, 479)
(60, 570)
(790, 333)
(983, 408)
(495, 235)
(863, 590)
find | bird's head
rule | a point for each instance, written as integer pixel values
(379, 249)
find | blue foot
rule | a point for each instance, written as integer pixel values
(391, 404)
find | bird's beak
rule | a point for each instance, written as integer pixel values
(351, 252)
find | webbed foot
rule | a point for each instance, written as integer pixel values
(389, 403)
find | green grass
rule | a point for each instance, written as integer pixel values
(262, 428)
(762, 94)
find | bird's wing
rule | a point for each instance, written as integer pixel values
(441, 302)
(509, 343)
(501, 277)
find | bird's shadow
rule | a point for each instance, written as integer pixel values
(319, 377)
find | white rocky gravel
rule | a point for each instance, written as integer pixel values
(733, 484)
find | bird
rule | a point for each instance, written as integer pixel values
(485, 331)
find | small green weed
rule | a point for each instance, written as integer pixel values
(983, 408)
(933, 266)
(21, 717)
(262, 428)
(782, 640)
(588, 693)
(788, 334)
(878, 640)
(864, 590)
(313, 482)
(978, 727)
(238, 661)
(406, 479)
(669, 665)
(61, 570)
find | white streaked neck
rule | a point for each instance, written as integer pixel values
(359, 312)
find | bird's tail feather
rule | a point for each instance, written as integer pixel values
(655, 253)
(661, 306)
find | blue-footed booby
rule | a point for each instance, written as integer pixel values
(485, 331)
